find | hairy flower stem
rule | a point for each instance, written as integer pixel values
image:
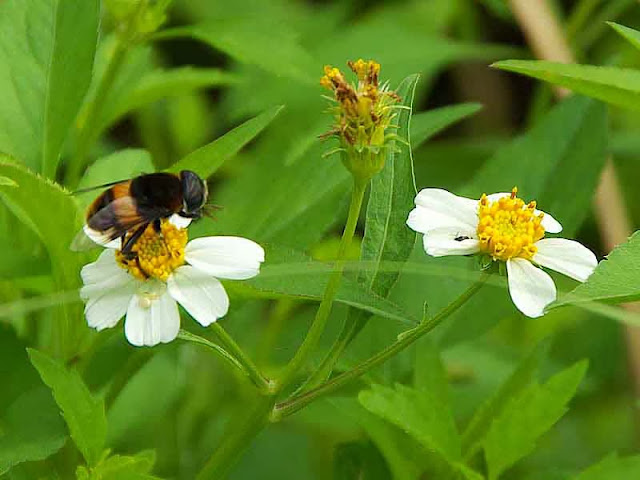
(88, 129)
(301, 357)
(405, 339)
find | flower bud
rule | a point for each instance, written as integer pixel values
(363, 115)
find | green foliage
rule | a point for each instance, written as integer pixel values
(120, 467)
(629, 34)
(31, 426)
(425, 125)
(611, 468)
(615, 279)
(56, 232)
(47, 49)
(529, 415)
(206, 160)
(618, 86)
(83, 412)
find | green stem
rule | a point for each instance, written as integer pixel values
(405, 339)
(322, 315)
(232, 353)
(233, 445)
(89, 129)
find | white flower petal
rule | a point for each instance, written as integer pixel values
(494, 197)
(531, 288)
(549, 223)
(442, 242)
(444, 204)
(101, 238)
(152, 321)
(567, 257)
(179, 221)
(202, 295)
(235, 258)
(423, 220)
(102, 273)
(106, 310)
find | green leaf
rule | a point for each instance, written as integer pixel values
(514, 433)
(629, 34)
(288, 273)
(206, 160)
(7, 182)
(83, 413)
(425, 418)
(33, 203)
(252, 40)
(161, 84)
(612, 468)
(615, 280)
(30, 425)
(120, 467)
(425, 125)
(618, 86)
(521, 378)
(120, 165)
(47, 49)
(386, 237)
(564, 152)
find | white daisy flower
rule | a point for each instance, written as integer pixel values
(164, 270)
(503, 227)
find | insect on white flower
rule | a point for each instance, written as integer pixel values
(165, 269)
(503, 227)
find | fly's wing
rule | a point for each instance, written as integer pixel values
(110, 223)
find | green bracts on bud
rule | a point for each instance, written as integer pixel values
(363, 115)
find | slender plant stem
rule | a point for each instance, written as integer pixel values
(234, 444)
(322, 315)
(231, 353)
(88, 130)
(405, 339)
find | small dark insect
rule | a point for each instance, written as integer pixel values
(460, 238)
(127, 207)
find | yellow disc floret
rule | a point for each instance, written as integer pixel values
(508, 227)
(155, 254)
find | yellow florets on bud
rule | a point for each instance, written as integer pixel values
(155, 254)
(508, 227)
(363, 116)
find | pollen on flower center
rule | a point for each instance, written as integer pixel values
(508, 227)
(155, 254)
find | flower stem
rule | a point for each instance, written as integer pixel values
(405, 339)
(234, 444)
(322, 315)
(232, 353)
(89, 128)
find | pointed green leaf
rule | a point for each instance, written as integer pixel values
(629, 34)
(161, 84)
(612, 468)
(618, 86)
(120, 467)
(521, 378)
(33, 203)
(425, 125)
(425, 418)
(206, 160)
(288, 273)
(514, 433)
(84, 414)
(615, 280)
(252, 41)
(386, 236)
(46, 60)
(30, 425)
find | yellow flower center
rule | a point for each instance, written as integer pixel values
(155, 254)
(508, 227)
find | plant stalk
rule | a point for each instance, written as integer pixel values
(405, 339)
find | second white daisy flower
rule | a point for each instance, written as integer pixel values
(503, 227)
